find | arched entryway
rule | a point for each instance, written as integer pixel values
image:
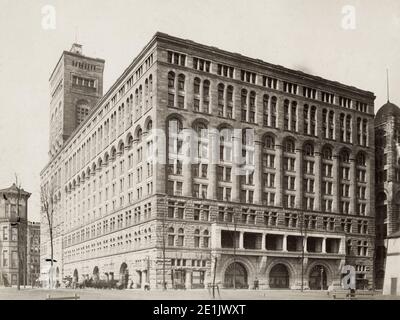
(124, 275)
(96, 274)
(318, 278)
(58, 274)
(236, 276)
(279, 277)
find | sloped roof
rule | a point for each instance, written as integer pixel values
(14, 189)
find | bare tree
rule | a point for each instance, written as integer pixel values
(47, 201)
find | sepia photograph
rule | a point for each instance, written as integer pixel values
(219, 151)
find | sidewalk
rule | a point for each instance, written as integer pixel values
(170, 294)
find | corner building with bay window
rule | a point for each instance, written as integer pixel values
(298, 208)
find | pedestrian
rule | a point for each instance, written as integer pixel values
(256, 284)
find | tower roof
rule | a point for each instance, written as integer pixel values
(387, 110)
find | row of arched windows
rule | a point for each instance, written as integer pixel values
(201, 103)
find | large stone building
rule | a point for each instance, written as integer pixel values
(33, 252)
(387, 145)
(289, 206)
(13, 244)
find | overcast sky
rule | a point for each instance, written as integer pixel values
(310, 35)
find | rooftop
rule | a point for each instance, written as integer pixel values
(14, 189)
(387, 110)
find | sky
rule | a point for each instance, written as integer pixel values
(351, 41)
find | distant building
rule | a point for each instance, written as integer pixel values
(306, 183)
(13, 203)
(33, 259)
(387, 183)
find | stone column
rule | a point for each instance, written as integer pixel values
(279, 176)
(336, 184)
(187, 163)
(258, 191)
(241, 233)
(213, 156)
(188, 280)
(299, 178)
(353, 187)
(236, 155)
(263, 235)
(317, 184)
(324, 245)
(284, 244)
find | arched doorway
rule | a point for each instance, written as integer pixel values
(279, 277)
(96, 274)
(236, 276)
(124, 275)
(317, 278)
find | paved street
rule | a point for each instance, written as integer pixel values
(95, 294)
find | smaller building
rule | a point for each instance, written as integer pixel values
(33, 258)
(13, 235)
(392, 272)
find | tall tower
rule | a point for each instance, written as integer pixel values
(76, 85)
(387, 155)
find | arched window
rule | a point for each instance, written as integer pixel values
(181, 82)
(273, 111)
(266, 110)
(175, 143)
(289, 145)
(225, 146)
(327, 153)
(149, 126)
(171, 237)
(309, 150)
(139, 135)
(244, 105)
(206, 96)
(202, 139)
(181, 238)
(206, 239)
(345, 156)
(221, 104)
(361, 160)
(171, 80)
(151, 83)
(197, 238)
(348, 129)
(229, 107)
(269, 142)
(196, 86)
(252, 112)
